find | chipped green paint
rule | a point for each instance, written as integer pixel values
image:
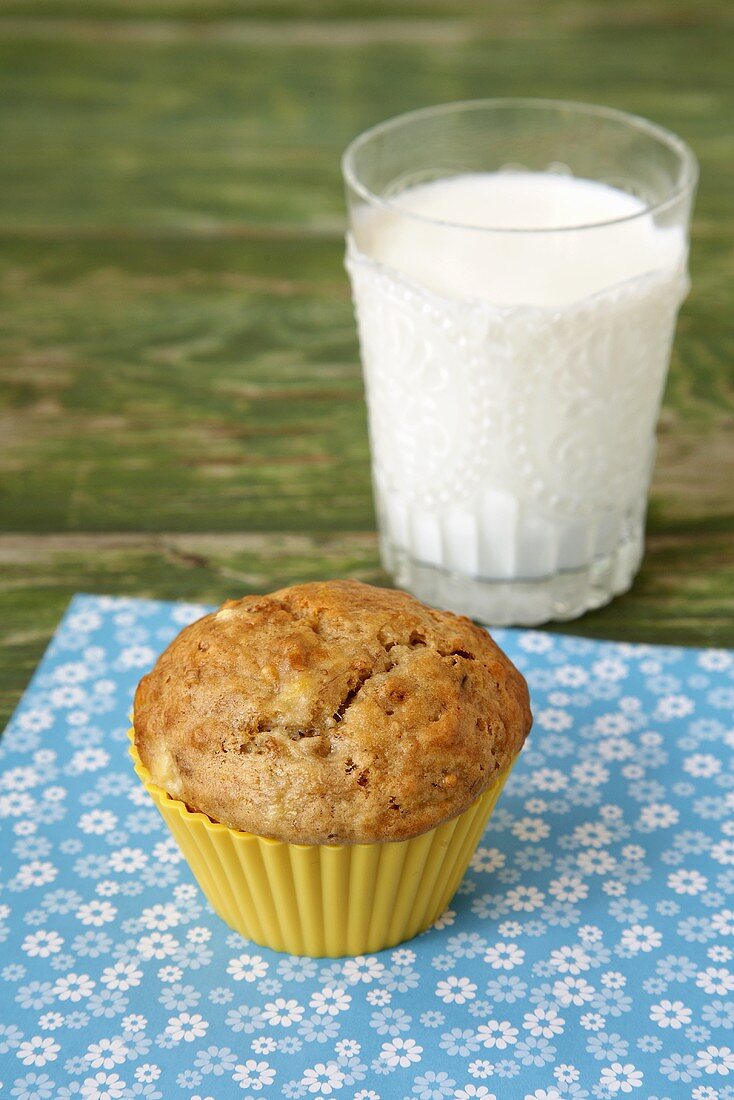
(181, 407)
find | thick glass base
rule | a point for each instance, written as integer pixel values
(522, 602)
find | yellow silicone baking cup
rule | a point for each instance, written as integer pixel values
(324, 899)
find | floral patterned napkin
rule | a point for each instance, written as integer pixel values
(587, 954)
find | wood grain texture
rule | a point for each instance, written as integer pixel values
(181, 405)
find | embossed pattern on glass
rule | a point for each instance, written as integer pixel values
(513, 439)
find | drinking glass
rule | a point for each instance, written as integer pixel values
(514, 368)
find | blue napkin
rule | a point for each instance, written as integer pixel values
(587, 954)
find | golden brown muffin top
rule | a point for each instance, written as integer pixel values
(330, 713)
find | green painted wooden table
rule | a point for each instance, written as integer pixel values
(182, 411)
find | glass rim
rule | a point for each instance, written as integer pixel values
(686, 157)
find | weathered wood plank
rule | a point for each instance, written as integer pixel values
(206, 385)
(198, 133)
(521, 17)
(205, 388)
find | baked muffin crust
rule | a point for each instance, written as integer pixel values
(330, 713)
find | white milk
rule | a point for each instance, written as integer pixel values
(513, 381)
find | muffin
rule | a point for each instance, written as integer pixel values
(327, 757)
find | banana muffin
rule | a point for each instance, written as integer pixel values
(330, 713)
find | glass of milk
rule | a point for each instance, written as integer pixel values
(517, 267)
